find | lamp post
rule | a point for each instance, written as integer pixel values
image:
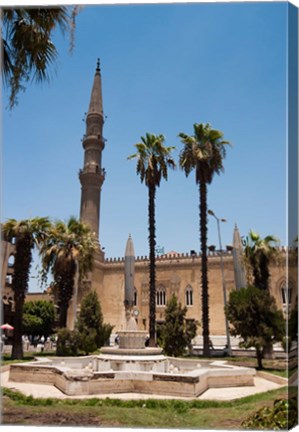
(210, 212)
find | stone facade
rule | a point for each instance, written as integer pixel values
(178, 274)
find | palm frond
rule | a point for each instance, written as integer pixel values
(153, 159)
(204, 151)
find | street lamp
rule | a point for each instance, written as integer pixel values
(210, 212)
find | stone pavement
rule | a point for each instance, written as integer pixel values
(229, 393)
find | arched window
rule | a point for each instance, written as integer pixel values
(161, 296)
(286, 295)
(11, 260)
(135, 297)
(189, 295)
(8, 279)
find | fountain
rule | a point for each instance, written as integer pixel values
(130, 366)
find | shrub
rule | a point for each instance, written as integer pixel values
(68, 342)
(94, 332)
(283, 415)
(177, 332)
(90, 332)
(87, 341)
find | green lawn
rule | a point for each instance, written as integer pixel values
(196, 414)
(29, 356)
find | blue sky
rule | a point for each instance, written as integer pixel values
(164, 67)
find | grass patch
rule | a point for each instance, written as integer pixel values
(29, 356)
(168, 404)
(194, 414)
(282, 373)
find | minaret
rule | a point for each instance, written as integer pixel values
(92, 175)
(240, 279)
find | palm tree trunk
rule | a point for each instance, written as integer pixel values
(152, 265)
(17, 345)
(65, 280)
(264, 272)
(22, 265)
(204, 267)
(63, 315)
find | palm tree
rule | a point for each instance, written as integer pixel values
(204, 152)
(28, 49)
(153, 160)
(27, 233)
(68, 246)
(258, 253)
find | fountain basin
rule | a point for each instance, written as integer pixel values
(132, 339)
(112, 374)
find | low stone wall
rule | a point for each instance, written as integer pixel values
(4, 368)
(33, 374)
(271, 377)
(185, 378)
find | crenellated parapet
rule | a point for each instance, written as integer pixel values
(168, 257)
(185, 257)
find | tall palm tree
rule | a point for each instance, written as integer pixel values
(27, 234)
(28, 49)
(259, 252)
(69, 247)
(204, 152)
(153, 160)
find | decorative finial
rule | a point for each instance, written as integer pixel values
(98, 65)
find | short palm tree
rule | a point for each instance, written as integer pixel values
(153, 161)
(27, 234)
(203, 152)
(258, 253)
(68, 246)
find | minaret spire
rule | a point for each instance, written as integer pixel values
(92, 175)
(96, 100)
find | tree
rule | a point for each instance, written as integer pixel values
(258, 253)
(28, 49)
(204, 152)
(153, 161)
(69, 248)
(94, 332)
(27, 234)
(68, 342)
(176, 332)
(255, 318)
(38, 318)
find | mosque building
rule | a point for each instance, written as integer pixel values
(176, 273)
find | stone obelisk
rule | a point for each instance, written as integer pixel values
(240, 279)
(129, 277)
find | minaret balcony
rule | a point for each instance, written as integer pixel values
(92, 174)
(93, 140)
